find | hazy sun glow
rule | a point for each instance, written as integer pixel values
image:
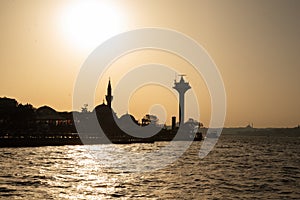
(86, 24)
(255, 46)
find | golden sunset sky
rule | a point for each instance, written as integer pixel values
(255, 45)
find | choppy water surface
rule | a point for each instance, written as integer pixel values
(239, 167)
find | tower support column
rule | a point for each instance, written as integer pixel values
(181, 108)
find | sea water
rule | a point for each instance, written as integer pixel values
(239, 167)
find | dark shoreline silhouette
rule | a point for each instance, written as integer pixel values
(74, 139)
(26, 126)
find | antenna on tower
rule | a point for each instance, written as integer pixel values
(181, 75)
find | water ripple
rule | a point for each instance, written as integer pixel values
(244, 167)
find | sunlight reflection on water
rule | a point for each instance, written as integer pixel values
(243, 167)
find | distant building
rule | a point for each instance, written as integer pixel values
(8, 107)
(47, 117)
(6, 103)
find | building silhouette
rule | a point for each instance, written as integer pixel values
(181, 88)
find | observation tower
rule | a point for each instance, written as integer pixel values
(181, 88)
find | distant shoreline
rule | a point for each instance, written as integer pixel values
(74, 139)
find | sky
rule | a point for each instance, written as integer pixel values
(255, 45)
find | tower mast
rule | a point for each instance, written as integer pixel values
(109, 96)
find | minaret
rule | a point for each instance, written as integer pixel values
(181, 88)
(109, 97)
